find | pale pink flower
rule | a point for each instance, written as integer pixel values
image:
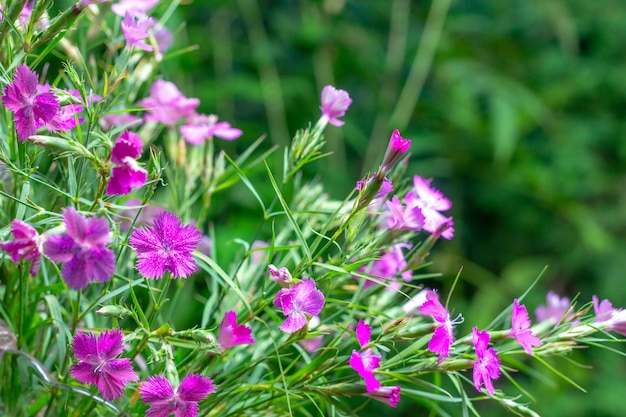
(388, 267)
(404, 217)
(555, 308)
(432, 202)
(334, 105)
(136, 30)
(166, 104)
(135, 7)
(200, 127)
(613, 318)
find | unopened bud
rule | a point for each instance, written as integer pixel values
(62, 145)
(114, 311)
(282, 276)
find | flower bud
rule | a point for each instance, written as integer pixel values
(114, 311)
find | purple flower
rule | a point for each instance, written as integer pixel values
(432, 202)
(233, 334)
(135, 7)
(168, 246)
(97, 365)
(365, 362)
(387, 395)
(443, 336)
(385, 188)
(520, 328)
(200, 127)
(404, 217)
(613, 318)
(167, 104)
(334, 105)
(281, 276)
(31, 110)
(388, 266)
(183, 400)
(127, 174)
(555, 308)
(136, 29)
(396, 148)
(82, 250)
(108, 121)
(303, 298)
(27, 244)
(487, 366)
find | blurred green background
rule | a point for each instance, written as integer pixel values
(515, 108)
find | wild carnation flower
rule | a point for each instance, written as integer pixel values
(404, 217)
(365, 362)
(487, 366)
(167, 246)
(613, 318)
(97, 365)
(334, 105)
(31, 109)
(233, 334)
(167, 104)
(555, 308)
(82, 250)
(443, 337)
(201, 127)
(388, 266)
(396, 148)
(127, 174)
(281, 276)
(135, 7)
(136, 29)
(385, 188)
(303, 298)
(27, 245)
(432, 202)
(387, 395)
(520, 328)
(182, 400)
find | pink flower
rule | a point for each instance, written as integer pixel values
(555, 308)
(168, 246)
(487, 366)
(432, 202)
(281, 276)
(108, 121)
(97, 365)
(396, 148)
(387, 395)
(233, 334)
(82, 250)
(31, 110)
(200, 127)
(404, 217)
(136, 29)
(135, 7)
(27, 244)
(385, 188)
(443, 337)
(614, 318)
(365, 362)
(303, 298)
(127, 174)
(167, 104)
(520, 328)
(182, 400)
(334, 105)
(388, 266)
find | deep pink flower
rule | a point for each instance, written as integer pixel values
(31, 109)
(555, 308)
(82, 250)
(127, 174)
(443, 337)
(387, 395)
(388, 266)
(200, 127)
(136, 29)
(365, 362)
(27, 245)
(167, 246)
(432, 202)
(66, 117)
(520, 328)
(167, 104)
(183, 400)
(404, 217)
(613, 318)
(281, 276)
(487, 366)
(334, 105)
(135, 7)
(396, 148)
(303, 298)
(233, 334)
(385, 188)
(97, 365)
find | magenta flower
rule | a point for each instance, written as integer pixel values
(135, 7)
(443, 337)
(404, 217)
(385, 188)
(281, 276)
(365, 362)
(487, 366)
(396, 148)
(432, 202)
(613, 318)
(201, 127)
(167, 104)
(27, 245)
(233, 334)
(82, 250)
(168, 246)
(520, 328)
(136, 29)
(555, 308)
(31, 110)
(334, 105)
(387, 395)
(182, 400)
(388, 266)
(303, 298)
(127, 174)
(97, 365)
